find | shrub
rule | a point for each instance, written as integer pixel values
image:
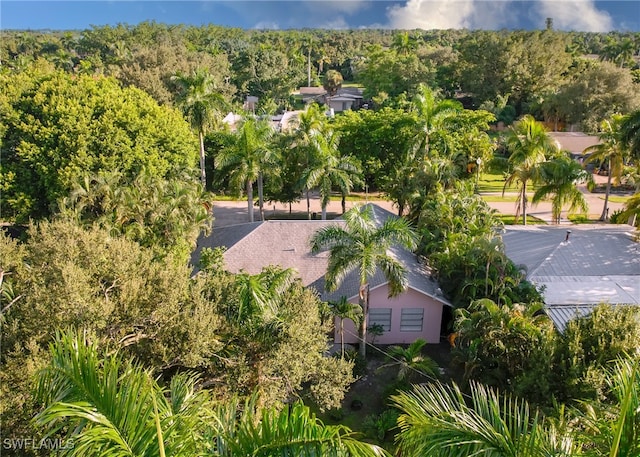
(376, 426)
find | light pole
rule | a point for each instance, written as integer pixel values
(478, 163)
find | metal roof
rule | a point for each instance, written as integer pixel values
(578, 267)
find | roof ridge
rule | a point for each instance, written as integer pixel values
(551, 254)
(258, 224)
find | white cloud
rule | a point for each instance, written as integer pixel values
(338, 23)
(450, 14)
(424, 14)
(266, 25)
(581, 15)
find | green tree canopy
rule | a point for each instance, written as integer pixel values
(57, 127)
(529, 145)
(108, 405)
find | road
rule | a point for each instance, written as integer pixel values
(235, 212)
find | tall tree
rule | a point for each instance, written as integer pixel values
(630, 133)
(503, 346)
(403, 43)
(248, 158)
(332, 82)
(327, 168)
(610, 151)
(559, 177)
(163, 215)
(309, 123)
(363, 246)
(434, 117)
(529, 144)
(201, 103)
(57, 128)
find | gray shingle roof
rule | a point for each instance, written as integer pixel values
(252, 246)
(597, 264)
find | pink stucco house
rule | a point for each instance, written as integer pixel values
(416, 313)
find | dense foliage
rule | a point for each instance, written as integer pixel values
(98, 133)
(66, 276)
(106, 404)
(566, 76)
(58, 127)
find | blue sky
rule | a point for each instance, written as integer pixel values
(582, 15)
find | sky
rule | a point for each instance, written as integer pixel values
(579, 15)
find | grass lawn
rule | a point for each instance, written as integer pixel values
(359, 196)
(494, 182)
(509, 219)
(227, 198)
(498, 198)
(584, 218)
(617, 198)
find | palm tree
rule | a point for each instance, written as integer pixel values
(166, 215)
(614, 429)
(363, 246)
(107, 405)
(630, 133)
(434, 116)
(250, 155)
(201, 103)
(529, 144)
(244, 430)
(342, 309)
(559, 177)
(611, 151)
(632, 207)
(437, 420)
(111, 406)
(411, 360)
(309, 122)
(327, 168)
(259, 295)
(404, 44)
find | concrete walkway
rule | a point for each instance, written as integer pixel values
(235, 212)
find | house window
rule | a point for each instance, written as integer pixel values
(380, 316)
(411, 319)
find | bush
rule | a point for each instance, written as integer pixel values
(359, 362)
(376, 426)
(618, 217)
(336, 414)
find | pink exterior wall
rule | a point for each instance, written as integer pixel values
(409, 299)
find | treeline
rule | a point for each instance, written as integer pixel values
(562, 77)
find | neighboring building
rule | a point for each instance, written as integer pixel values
(579, 267)
(416, 313)
(280, 122)
(574, 142)
(232, 120)
(345, 99)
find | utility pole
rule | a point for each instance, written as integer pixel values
(309, 66)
